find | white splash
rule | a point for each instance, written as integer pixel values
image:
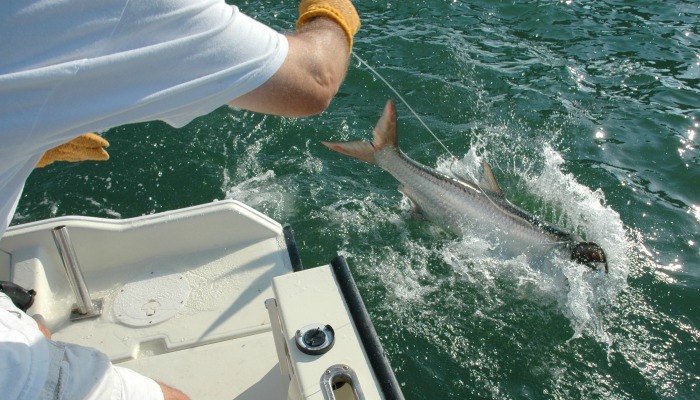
(582, 296)
(265, 194)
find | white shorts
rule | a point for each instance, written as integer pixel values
(86, 373)
(35, 367)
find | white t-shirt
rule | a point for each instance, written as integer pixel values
(24, 354)
(76, 66)
(71, 67)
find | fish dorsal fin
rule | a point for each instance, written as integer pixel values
(488, 180)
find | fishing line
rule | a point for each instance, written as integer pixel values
(454, 159)
(404, 102)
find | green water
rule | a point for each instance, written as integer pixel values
(589, 113)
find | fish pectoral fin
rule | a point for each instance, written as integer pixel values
(488, 180)
(414, 205)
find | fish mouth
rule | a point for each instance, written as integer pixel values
(589, 254)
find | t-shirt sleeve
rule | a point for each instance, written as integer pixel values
(176, 65)
(116, 62)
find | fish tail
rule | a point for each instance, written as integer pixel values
(385, 136)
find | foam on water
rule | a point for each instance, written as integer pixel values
(422, 260)
(578, 209)
(263, 192)
(460, 302)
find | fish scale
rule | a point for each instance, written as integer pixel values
(442, 198)
(463, 206)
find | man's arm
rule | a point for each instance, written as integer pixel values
(170, 393)
(315, 67)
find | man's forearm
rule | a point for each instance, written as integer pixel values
(316, 64)
(310, 76)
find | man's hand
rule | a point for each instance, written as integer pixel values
(85, 147)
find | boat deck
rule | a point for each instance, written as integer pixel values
(183, 297)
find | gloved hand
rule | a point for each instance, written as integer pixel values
(340, 11)
(85, 147)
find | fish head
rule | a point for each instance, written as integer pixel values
(589, 254)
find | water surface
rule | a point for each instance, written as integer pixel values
(588, 112)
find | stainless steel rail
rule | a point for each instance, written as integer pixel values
(86, 308)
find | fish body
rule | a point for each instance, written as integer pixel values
(462, 205)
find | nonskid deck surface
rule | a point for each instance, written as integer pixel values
(179, 302)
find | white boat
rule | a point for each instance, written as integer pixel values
(210, 299)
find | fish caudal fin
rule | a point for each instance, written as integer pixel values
(360, 150)
(385, 130)
(384, 136)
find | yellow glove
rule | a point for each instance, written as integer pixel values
(340, 11)
(85, 147)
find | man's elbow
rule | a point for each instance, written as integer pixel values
(326, 85)
(316, 103)
(295, 96)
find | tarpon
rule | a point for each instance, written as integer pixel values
(462, 205)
